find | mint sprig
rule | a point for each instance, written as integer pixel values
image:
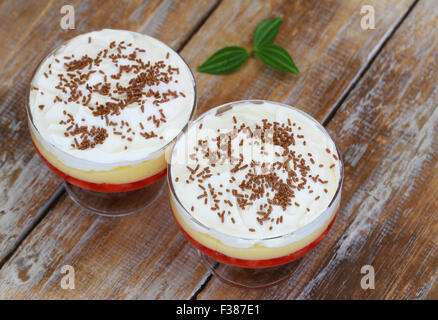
(225, 60)
(266, 31)
(229, 59)
(277, 57)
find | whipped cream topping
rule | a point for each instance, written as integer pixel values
(255, 170)
(110, 98)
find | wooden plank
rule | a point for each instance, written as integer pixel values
(324, 38)
(29, 30)
(387, 130)
(113, 258)
(168, 266)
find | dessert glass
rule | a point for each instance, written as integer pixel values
(120, 191)
(244, 262)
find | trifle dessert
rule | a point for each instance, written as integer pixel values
(104, 106)
(254, 184)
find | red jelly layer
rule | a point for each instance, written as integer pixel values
(263, 263)
(104, 187)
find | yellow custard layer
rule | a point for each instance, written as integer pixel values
(256, 251)
(119, 175)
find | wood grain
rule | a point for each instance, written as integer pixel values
(30, 29)
(141, 256)
(387, 130)
(324, 38)
(144, 256)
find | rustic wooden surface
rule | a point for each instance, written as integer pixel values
(374, 89)
(387, 130)
(26, 186)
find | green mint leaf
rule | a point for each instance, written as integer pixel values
(266, 31)
(225, 60)
(277, 57)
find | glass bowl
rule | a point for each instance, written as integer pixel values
(232, 258)
(124, 188)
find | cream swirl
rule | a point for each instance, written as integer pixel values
(110, 98)
(255, 170)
